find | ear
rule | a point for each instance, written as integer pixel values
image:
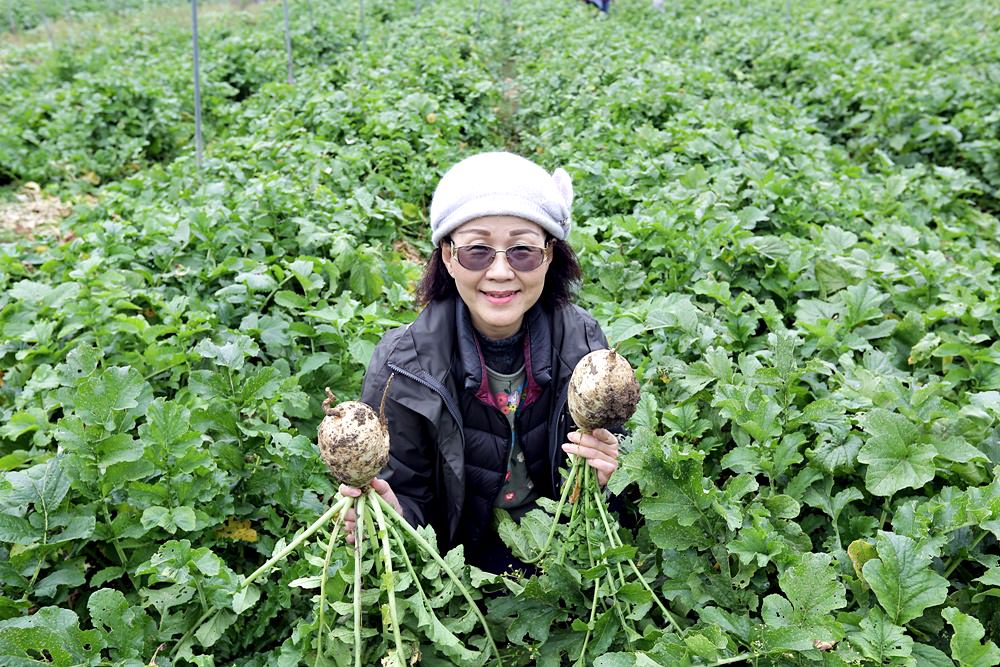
(446, 257)
(564, 183)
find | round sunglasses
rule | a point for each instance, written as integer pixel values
(477, 256)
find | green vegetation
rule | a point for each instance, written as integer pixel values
(787, 217)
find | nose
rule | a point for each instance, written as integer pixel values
(500, 269)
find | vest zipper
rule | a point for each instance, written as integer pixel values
(432, 383)
(557, 428)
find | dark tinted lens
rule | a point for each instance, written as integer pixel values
(525, 258)
(475, 257)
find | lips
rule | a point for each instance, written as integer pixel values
(500, 297)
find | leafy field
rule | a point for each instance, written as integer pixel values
(787, 219)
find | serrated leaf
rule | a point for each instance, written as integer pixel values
(811, 585)
(44, 485)
(881, 640)
(125, 625)
(902, 579)
(680, 495)
(18, 530)
(896, 456)
(98, 399)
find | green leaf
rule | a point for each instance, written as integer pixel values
(902, 578)
(168, 425)
(184, 518)
(212, 629)
(231, 354)
(18, 530)
(896, 457)
(51, 636)
(361, 351)
(959, 450)
(118, 448)
(881, 640)
(965, 646)
(70, 575)
(77, 528)
(45, 485)
(811, 585)
(680, 495)
(126, 626)
(928, 656)
(117, 389)
(245, 598)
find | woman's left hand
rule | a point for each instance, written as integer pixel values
(600, 448)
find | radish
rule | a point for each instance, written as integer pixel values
(354, 443)
(602, 393)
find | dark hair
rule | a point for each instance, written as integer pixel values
(560, 280)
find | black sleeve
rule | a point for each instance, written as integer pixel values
(410, 470)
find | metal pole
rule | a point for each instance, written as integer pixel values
(10, 15)
(197, 84)
(45, 23)
(288, 43)
(479, 11)
(361, 5)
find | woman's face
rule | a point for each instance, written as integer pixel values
(497, 296)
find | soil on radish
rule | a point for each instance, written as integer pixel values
(353, 441)
(603, 392)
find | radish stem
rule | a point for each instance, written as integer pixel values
(590, 623)
(338, 506)
(387, 577)
(615, 542)
(358, 538)
(555, 519)
(390, 512)
(322, 585)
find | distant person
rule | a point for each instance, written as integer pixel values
(603, 5)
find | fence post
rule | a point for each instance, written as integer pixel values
(197, 84)
(288, 43)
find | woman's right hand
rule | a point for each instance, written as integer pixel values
(382, 488)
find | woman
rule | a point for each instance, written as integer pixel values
(477, 407)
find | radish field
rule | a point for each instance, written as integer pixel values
(787, 218)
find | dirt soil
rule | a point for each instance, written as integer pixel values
(32, 213)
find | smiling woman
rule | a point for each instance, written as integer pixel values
(477, 413)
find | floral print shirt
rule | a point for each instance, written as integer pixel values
(517, 493)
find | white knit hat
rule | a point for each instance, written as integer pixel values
(501, 184)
